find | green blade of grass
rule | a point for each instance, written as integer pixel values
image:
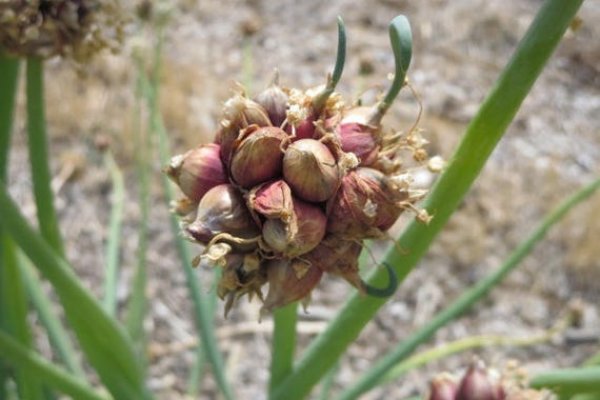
(137, 303)
(38, 154)
(15, 314)
(59, 339)
(114, 235)
(568, 382)
(469, 298)
(9, 73)
(284, 343)
(104, 342)
(22, 357)
(482, 135)
(202, 309)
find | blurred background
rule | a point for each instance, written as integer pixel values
(550, 150)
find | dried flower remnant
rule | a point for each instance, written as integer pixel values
(74, 29)
(308, 179)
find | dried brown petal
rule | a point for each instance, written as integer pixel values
(197, 171)
(285, 286)
(311, 170)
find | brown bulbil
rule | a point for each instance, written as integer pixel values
(272, 200)
(366, 204)
(239, 113)
(443, 387)
(197, 171)
(478, 385)
(311, 170)
(258, 156)
(289, 281)
(357, 136)
(274, 101)
(222, 210)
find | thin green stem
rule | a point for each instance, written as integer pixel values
(57, 334)
(23, 358)
(38, 154)
(469, 343)
(481, 137)
(469, 298)
(114, 235)
(204, 315)
(401, 41)
(104, 342)
(332, 80)
(138, 304)
(283, 344)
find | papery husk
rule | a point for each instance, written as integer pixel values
(443, 387)
(257, 156)
(241, 275)
(289, 281)
(271, 200)
(222, 210)
(299, 234)
(339, 257)
(197, 171)
(367, 204)
(239, 113)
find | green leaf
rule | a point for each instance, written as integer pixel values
(568, 382)
(25, 359)
(38, 155)
(482, 135)
(103, 341)
(114, 235)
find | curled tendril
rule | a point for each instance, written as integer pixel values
(334, 78)
(401, 41)
(389, 289)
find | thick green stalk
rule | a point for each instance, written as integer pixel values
(202, 309)
(25, 359)
(9, 73)
(114, 235)
(38, 155)
(57, 334)
(467, 299)
(569, 382)
(482, 135)
(104, 342)
(283, 344)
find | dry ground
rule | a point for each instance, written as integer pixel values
(551, 149)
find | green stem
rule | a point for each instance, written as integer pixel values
(465, 344)
(138, 304)
(332, 81)
(284, 343)
(328, 382)
(57, 334)
(401, 41)
(46, 372)
(469, 298)
(568, 382)
(481, 137)
(38, 154)
(9, 73)
(114, 235)
(107, 347)
(204, 314)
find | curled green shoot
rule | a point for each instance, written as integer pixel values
(401, 41)
(333, 79)
(387, 291)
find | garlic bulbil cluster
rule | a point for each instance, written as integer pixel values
(75, 29)
(292, 185)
